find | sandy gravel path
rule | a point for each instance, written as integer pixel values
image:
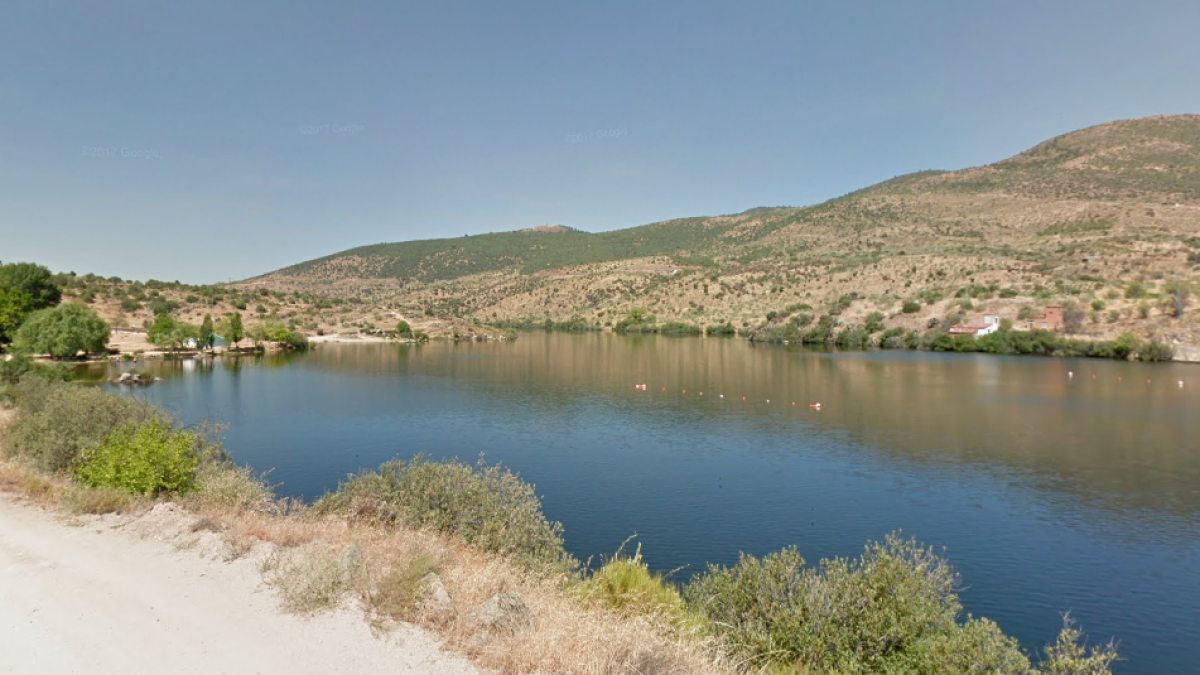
(99, 596)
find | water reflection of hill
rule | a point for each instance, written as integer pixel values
(1123, 445)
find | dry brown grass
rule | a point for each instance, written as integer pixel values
(569, 636)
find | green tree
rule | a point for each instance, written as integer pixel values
(206, 332)
(162, 332)
(32, 281)
(62, 332)
(236, 331)
(12, 314)
(402, 328)
(24, 288)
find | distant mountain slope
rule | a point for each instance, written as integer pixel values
(1077, 218)
(526, 251)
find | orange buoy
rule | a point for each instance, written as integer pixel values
(743, 398)
(814, 406)
(768, 400)
(793, 404)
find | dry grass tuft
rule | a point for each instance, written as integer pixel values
(206, 524)
(397, 594)
(314, 578)
(228, 487)
(286, 531)
(80, 500)
(20, 478)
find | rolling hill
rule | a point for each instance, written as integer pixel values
(1106, 217)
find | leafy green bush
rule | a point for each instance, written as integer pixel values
(62, 331)
(853, 338)
(679, 328)
(1136, 290)
(20, 366)
(403, 329)
(894, 609)
(721, 329)
(874, 322)
(148, 459)
(911, 307)
(59, 421)
(486, 505)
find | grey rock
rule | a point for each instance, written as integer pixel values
(350, 560)
(434, 600)
(502, 614)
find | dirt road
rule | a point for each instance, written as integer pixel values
(97, 596)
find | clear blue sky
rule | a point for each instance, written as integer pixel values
(167, 140)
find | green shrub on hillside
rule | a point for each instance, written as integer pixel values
(678, 328)
(721, 330)
(148, 459)
(486, 505)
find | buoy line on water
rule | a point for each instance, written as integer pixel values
(683, 392)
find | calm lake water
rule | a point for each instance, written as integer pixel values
(1048, 492)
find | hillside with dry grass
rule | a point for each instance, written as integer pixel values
(1106, 219)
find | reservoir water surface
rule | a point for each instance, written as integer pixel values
(1052, 485)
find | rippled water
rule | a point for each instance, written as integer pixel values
(1053, 485)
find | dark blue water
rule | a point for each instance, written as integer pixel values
(1049, 491)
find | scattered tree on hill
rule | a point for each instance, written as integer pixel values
(24, 288)
(1073, 317)
(162, 331)
(62, 332)
(33, 281)
(231, 329)
(1176, 299)
(206, 332)
(402, 328)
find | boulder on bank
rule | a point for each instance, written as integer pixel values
(135, 379)
(502, 614)
(433, 600)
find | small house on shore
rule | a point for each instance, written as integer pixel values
(1050, 319)
(990, 324)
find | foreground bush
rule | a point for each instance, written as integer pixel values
(487, 506)
(892, 610)
(627, 585)
(57, 421)
(149, 459)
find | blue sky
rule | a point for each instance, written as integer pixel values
(218, 140)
